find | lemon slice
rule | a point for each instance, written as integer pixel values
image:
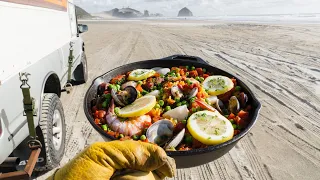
(139, 107)
(216, 85)
(140, 74)
(210, 128)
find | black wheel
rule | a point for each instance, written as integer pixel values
(81, 72)
(53, 132)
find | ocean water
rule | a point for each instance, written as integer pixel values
(281, 18)
(270, 18)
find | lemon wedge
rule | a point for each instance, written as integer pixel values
(141, 74)
(216, 85)
(210, 128)
(139, 107)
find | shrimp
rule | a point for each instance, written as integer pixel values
(129, 127)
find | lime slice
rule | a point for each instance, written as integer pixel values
(216, 85)
(139, 107)
(210, 128)
(140, 74)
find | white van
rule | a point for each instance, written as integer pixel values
(35, 38)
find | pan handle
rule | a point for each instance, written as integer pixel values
(185, 57)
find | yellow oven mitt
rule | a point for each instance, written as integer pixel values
(126, 160)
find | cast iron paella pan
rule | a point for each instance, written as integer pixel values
(193, 157)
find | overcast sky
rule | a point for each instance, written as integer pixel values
(207, 7)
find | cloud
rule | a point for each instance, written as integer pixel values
(207, 7)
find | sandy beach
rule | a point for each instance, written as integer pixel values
(280, 63)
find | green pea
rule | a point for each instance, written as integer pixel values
(204, 70)
(188, 82)
(135, 137)
(157, 106)
(177, 100)
(187, 67)
(143, 138)
(140, 82)
(105, 104)
(184, 121)
(237, 88)
(184, 102)
(188, 139)
(193, 68)
(187, 74)
(225, 112)
(144, 92)
(104, 127)
(226, 116)
(198, 78)
(161, 103)
(231, 120)
(193, 99)
(121, 136)
(168, 108)
(207, 101)
(161, 75)
(201, 79)
(118, 87)
(179, 104)
(234, 126)
(194, 110)
(117, 110)
(111, 86)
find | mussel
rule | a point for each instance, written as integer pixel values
(220, 106)
(125, 97)
(176, 140)
(243, 99)
(234, 105)
(101, 88)
(129, 83)
(160, 132)
(176, 92)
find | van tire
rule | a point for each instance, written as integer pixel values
(81, 72)
(51, 105)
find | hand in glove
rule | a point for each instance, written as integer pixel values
(102, 160)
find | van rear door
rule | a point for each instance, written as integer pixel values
(74, 34)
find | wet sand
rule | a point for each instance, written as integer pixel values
(280, 63)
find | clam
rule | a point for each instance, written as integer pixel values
(180, 113)
(176, 140)
(192, 93)
(163, 71)
(234, 105)
(125, 97)
(176, 92)
(212, 99)
(156, 68)
(160, 132)
(219, 105)
(243, 99)
(155, 93)
(129, 83)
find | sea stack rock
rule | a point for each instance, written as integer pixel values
(184, 12)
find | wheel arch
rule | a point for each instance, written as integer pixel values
(51, 84)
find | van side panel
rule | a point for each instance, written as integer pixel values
(33, 40)
(28, 34)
